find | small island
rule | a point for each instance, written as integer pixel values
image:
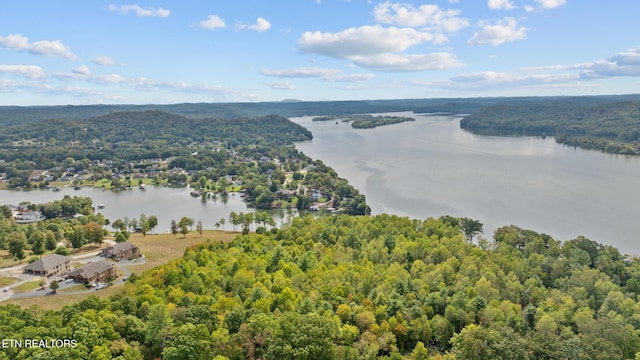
(365, 121)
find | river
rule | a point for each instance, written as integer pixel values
(431, 167)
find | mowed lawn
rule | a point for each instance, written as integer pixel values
(157, 249)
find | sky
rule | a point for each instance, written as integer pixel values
(164, 52)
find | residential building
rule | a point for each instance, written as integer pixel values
(101, 271)
(124, 250)
(50, 265)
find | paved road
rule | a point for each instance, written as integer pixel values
(16, 272)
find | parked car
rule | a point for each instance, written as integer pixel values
(5, 289)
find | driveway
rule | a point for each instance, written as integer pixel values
(16, 272)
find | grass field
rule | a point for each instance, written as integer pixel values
(28, 286)
(157, 249)
(6, 281)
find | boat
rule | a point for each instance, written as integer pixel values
(142, 187)
(101, 206)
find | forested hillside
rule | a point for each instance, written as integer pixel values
(136, 135)
(608, 127)
(210, 154)
(16, 115)
(344, 287)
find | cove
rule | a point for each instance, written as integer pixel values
(164, 202)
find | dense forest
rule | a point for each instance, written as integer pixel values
(340, 287)
(135, 135)
(15, 115)
(609, 127)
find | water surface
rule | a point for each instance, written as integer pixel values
(431, 167)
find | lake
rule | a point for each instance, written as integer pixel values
(431, 167)
(164, 202)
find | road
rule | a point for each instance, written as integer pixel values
(16, 272)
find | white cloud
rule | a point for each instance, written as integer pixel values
(626, 63)
(213, 22)
(26, 71)
(412, 62)
(623, 64)
(500, 4)
(261, 25)
(428, 16)
(550, 4)
(362, 41)
(300, 73)
(82, 73)
(44, 47)
(149, 12)
(103, 60)
(284, 85)
(491, 80)
(529, 8)
(82, 70)
(151, 85)
(321, 73)
(505, 30)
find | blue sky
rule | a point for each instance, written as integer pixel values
(138, 52)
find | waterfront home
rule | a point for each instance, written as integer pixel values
(29, 217)
(50, 265)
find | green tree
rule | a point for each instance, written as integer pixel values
(309, 336)
(144, 224)
(38, 242)
(120, 237)
(158, 328)
(199, 227)
(189, 342)
(174, 227)
(54, 286)
(77, 237)
(18, 245)
(50, 240)
(93, 233)
(153, 222)
(470, 228)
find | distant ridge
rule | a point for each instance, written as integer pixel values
(14, 115)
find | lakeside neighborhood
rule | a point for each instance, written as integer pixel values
(95, 270)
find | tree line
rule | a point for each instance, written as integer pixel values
(609, 127)
(379, 287)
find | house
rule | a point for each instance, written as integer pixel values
(100, 271)
(124, 250)
(50, 265)
(29, 217)
(285, 193)
(316, 195)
